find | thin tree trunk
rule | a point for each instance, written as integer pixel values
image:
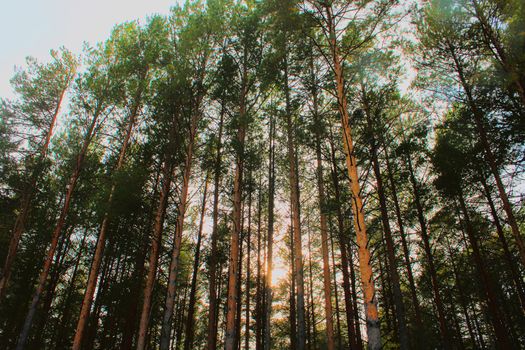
(336, 292)
(430, 258)
(367, 279)
(404, 243)
(212, 313)
(293, 317)
(230, 342)
(324, 228)
(177, 239)
(101, 241)
(390, 245)
(503, 342)
(506, 251)
(462, 298)
(259, 280)
(154, 254)
(190, 322)
(491, 159)
(269, 257)
(25, 206)
(349, 309)
(248, 273)
(56, 233)
(294, 197)
(312, 341)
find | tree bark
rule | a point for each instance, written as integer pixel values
(390, 245)
(502, 339)
(154, 253)
(101, 241)
(177, 239)
(324, 227)
(430, 257)
(269, 254)
(25, 206)
(491, 159)
(230, 336)
(345, 263)
(190, 322)
(57, 231)
(367, 279)
(294, 198)
(212, 314)
(404, 243)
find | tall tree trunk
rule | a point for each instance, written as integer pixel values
(230, 342)
(269, 254)
(25, 203)
(367, 279)
(239, 284)
(294, 197)
(430, 257)
(324, 227)
(336, 292)
(213, 309)
(57, 271)
(293, 317)
(491, 159)
(390, 245)
(190, 322)
(259, 312)
(312, 341)
(503, 342)
(56, 232)
(101, 241)
(404, 243)
(248, 272)
(160, 214)
(506, 251)
(61, 329)
(349, 309)
(462, 298)
(177, 239)
(498, 51)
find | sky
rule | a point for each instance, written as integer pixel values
(33, 27)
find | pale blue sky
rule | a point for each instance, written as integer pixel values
(33, 27)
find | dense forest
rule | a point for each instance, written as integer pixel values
(271, 174)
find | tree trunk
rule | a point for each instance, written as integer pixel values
(154, 253)
(101, 241)
(404, 243)
(294, 197)
(430, 258)
(293, 317)
(269, 254)
(177, 239)
(324, 227)
(212, 313)
(506, 251)
(367, 279)
(190, 322)
(248, 273)
(25, 205)
(230, 342)
(491, 159)
(56, 233)
(390, 245)
(350, 310)
(336, 292)
(503, 342)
